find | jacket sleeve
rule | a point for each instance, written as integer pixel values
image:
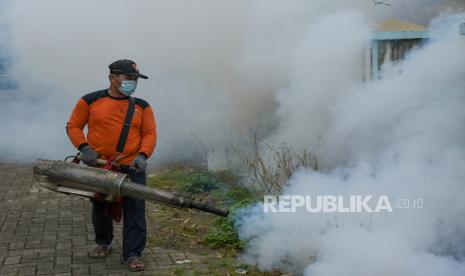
(76, 124)
(148, 132)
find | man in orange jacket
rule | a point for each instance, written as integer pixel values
(104, 113)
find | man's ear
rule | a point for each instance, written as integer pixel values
(111, 78)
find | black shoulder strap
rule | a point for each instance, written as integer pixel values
(127, 124)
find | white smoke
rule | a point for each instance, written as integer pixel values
(62, 50)
(402, 136)
(211, 63)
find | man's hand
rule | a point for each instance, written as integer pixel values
(139, 163)
(89, 156)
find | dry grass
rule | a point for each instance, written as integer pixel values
(269, 167)
(272, 173)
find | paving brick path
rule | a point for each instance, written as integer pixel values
(45, 233)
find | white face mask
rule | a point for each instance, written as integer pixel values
(128, 87)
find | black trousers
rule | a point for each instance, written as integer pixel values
(134, 223)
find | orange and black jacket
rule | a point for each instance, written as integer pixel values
(104, 116)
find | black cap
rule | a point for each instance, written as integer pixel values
(126, 67)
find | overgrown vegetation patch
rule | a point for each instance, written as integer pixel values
(194, 231)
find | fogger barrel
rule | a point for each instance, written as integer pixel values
(72, 178)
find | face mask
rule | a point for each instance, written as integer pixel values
(128, 87)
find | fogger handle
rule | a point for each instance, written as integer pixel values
(100, 162)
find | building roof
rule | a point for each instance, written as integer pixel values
(394, 29)
(395, 25)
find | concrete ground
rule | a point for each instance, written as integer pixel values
(46, 233)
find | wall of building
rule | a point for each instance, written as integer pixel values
(391, 51)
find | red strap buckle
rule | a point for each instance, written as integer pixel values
(110, 164)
